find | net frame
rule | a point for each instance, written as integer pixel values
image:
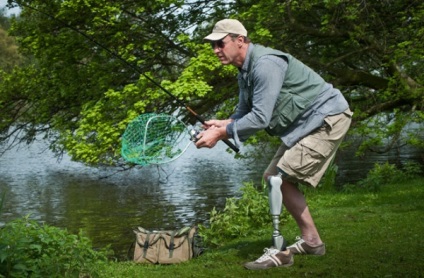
(154, 139)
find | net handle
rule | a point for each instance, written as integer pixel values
(145, 134)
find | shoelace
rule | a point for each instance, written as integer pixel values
(299, 240)
(268, 252)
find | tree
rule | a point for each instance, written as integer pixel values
(80, 96)
(371, 50)
(9, 56)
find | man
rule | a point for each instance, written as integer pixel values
(280, 94)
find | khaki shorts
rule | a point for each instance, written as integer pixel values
(307, 161)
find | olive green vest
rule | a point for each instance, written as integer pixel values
(300, 88)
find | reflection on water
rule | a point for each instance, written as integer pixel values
(106, 203)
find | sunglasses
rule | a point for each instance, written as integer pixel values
(219, 44)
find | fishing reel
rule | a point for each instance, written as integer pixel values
(193, 135)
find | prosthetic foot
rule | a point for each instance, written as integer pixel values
(275, 204)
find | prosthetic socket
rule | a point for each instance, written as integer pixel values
(275, 204)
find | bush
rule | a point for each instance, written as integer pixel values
(241, 217)
(28, 249)
(386, 173)
(411, 170)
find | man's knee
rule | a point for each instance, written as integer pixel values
(266, 176)
(278, 172)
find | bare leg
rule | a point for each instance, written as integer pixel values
(295, 203)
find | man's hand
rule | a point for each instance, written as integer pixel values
(216, 123)
(215, 130)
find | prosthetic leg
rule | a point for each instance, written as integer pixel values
(275, 204)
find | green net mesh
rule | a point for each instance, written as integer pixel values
(154, 139)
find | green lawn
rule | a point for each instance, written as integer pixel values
(366, 234)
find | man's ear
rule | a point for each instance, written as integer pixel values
(240, 41)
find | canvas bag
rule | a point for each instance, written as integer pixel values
(165, 247)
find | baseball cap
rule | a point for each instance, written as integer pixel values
(225, 27)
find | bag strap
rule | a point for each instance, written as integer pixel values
(182, 231)
(146, 245)
(131, 250)
(172, 244)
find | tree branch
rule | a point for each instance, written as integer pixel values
(296, 25)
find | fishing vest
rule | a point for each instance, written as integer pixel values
(300, 88)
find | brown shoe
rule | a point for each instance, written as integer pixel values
(301, 247)
(271, 258)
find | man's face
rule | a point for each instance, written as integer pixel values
(227, 51)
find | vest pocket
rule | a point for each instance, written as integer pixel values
(287, 108)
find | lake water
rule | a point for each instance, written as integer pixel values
(107, 203)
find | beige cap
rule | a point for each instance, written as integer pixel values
(225, 27)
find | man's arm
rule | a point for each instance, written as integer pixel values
(267, 77)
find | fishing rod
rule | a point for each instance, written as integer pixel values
(132, 66)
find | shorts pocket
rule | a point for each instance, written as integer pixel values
(321, 147)
(308, 155)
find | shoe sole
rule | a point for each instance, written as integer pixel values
(258, 267)
(307, 254)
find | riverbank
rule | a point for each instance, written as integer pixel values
(75, 197)
(366, 234)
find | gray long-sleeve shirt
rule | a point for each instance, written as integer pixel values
(268, 76)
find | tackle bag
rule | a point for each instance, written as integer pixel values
(165, 247)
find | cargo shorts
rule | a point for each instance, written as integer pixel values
(307, 161)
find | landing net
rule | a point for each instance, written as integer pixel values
(154, 139)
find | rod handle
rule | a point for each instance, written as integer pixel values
(202, 120)
(231, 145)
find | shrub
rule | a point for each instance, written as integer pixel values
(29, 249)
(380, 175)
(385, 173)
(412, 170)
(242, 216)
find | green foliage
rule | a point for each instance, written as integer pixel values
(411, 170)
(28, 249)
(352, 225)
(80, 96)
(386, 173)
(9, 55)
(4, 20)
(78, 93)
(370, 50)
(244, 216)
(388, 129)
(380, 175)
(3, 195)
(329, 179)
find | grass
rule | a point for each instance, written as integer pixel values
(367, 235)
